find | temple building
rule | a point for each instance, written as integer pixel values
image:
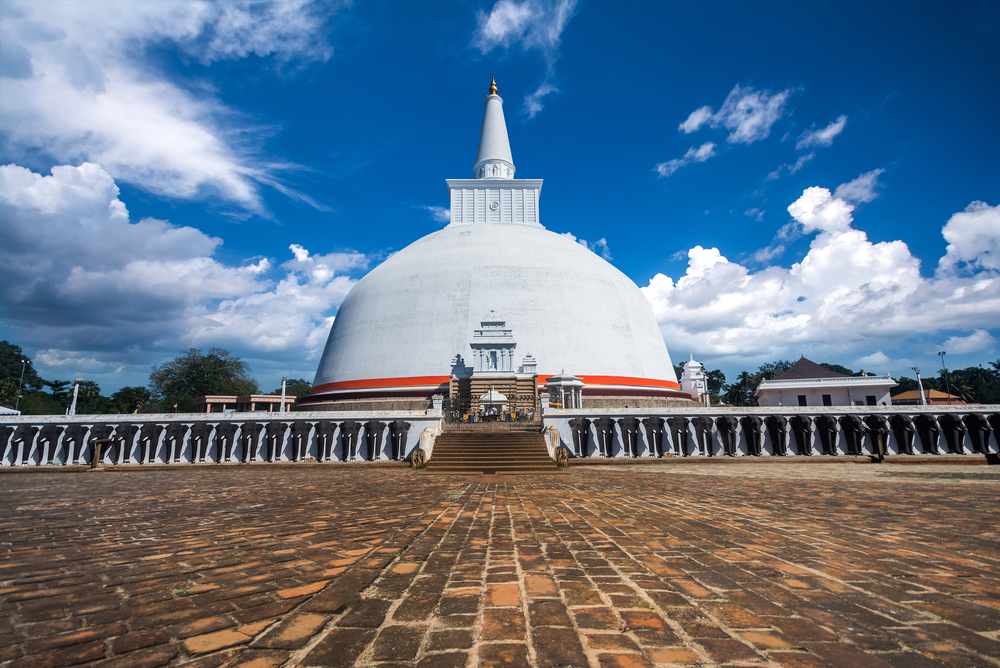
(494, 305)
(809, 384)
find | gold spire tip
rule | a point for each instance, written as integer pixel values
(493, 86)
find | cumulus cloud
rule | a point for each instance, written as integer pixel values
(847, 295)
(861, 189)
(878, 359)
(599, 247)
(973, 239)
(79, 87)
(77, 269)
(533, 25)
(979, 341)
(700, 154)
(823, 136)
(746, 112)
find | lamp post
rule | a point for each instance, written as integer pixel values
(284, 379)
(17, 401)
(944, 369)
(76, 391)
(920, 386)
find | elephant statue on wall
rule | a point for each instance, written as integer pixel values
(994, 421)
(979, 432)
(398, 429)
(954, 433)
(176, 431)
(605, 428)
(878, 432)
(349, 437)
(802, 430)
(373, 439)
(124, 440)
(225, 440)
(200, 441)
(75, 441)
(99, 432)
(826, 427)
(149, 440)
(25, 435)
(752, 431)
(930, 432)
(49, 434)
(854, 434)
(6, 432)
(654, 435)
(777, 429)
(679, 434)
(274, 437)
(703, 434)
(580, 427)
(250, 439)
(300, 439)
(325, 440)
(629, 427)
(902, 429)
(727, 433)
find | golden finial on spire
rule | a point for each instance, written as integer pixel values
(493, 86)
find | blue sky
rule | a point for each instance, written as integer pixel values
(780, 178)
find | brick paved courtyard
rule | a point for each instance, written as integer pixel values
(790, 565)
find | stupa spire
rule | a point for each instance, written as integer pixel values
(493, 159)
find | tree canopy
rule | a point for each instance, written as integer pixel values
(295, 387)
(194, 374)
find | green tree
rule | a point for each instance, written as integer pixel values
(741, 393)
(716, 381)
(130, 399)
(195, 374)
(12, 360)
(297, 387)
(838, 368)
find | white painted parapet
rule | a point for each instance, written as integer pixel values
(35, 452)
(559, 419)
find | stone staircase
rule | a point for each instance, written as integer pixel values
(510, 453)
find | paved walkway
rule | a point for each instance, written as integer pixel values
(792, 565)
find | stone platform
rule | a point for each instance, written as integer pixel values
(793, 565)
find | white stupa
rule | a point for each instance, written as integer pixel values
(397, 334)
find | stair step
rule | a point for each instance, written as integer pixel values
(473, 453)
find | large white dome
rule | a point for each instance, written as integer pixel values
(399, 329)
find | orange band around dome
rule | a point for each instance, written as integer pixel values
(418, 381)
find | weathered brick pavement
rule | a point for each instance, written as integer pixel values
(854, 566)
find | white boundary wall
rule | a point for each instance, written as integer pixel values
(560, 420)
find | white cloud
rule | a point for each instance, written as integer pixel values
(861, 189)
(755, 213)
(698, 118)
(973, 238)
(822, 137)
(847, 295)
(700, 154)
(746, 112)
(77, 269)
(877, 360)
(979, 341)
(534, 25)
(791, 169)
(80, 88)
(440, 214)
(599, 247)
